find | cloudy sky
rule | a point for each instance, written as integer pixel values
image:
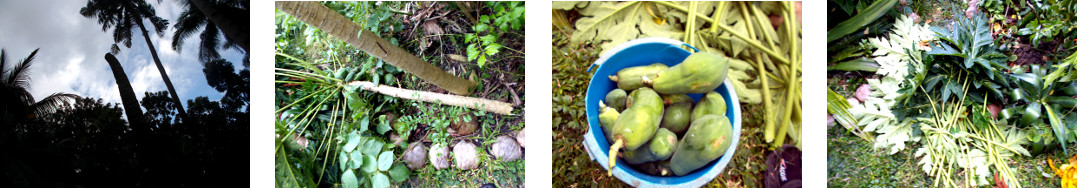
(73, 47)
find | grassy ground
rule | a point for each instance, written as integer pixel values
(572, 167)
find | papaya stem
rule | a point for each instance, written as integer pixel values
(616, 147)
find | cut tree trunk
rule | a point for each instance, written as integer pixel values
(331, 22)
(127, 95)
(164, 75)
(445, 99)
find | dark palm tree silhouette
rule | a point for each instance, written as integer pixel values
(123, 16)
(18, 104)
(213, 17)
(127, 95)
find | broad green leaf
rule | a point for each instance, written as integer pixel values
(379, 180)
(1059, 128)
(493, 49)
(370, 164)
(859, 64)
(865, 17)
(344, 161)
(488, 39)
(619, 22)
(385, 160)
(472, 52)
(399, 173)
(356, 160)
(349, 179)
(383, 127)
(480, 27)
(373, 147)
(482, 60)
(353, 140)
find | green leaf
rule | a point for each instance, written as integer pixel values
(493, 49)
(472, 52)
(1058, 127)
(399, 173)
(349, 179)
(370, 164)
(469, 37)
(859, 64)
(482, 60)
(353, 140)
(344, 162)
(356, 160)
(383, 127)
(488, 39)
(373, 147)
(379, 180)
(385, 160)
(480, 27)
(865, 17)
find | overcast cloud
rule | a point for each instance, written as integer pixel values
(73, 47)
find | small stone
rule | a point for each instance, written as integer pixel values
(415, 156)
(520, 137)
(506, 149)
(465, 154)
(439, 156)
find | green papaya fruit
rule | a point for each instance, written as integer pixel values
(660, 147)
(351, 75)
(645, 97)
(677, 117)
(637, 124)
(699, 73)
(340, 74)
(606, 117)
(631, 78)
(669, 99)
(706, 140)
(711, 103)
(616, 99)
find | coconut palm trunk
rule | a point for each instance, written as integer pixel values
(127, 95)
(164, 75)
(240, 33)
(341, 27)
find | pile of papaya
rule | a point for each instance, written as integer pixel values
(656, 127)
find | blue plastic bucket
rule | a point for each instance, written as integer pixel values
(639, 52)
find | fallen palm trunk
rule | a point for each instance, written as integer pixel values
(446, 99)
(341, 27)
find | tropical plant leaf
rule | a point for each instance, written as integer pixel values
(349, 179)
(618, 22)
(865, 17)
(385, 160)
(379, 180)
(399, 173)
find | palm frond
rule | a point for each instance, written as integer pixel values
(53, 102)
(190, 21)
(207, 51)
(20, 74)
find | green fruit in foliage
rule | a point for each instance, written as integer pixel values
(699, 73)
(616, 99)
(646, 98)
(660, 147)
(340, 73)
(676, 98)
(712, 103)
(606, 117)
(677, 117)
(636, 126)
(351, 75)
(632, 78)
(706, 140)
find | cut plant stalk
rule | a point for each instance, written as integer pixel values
(445, 99)
(319, 16)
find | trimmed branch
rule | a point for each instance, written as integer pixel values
(445, 99)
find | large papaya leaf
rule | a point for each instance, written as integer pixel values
(619, 22)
